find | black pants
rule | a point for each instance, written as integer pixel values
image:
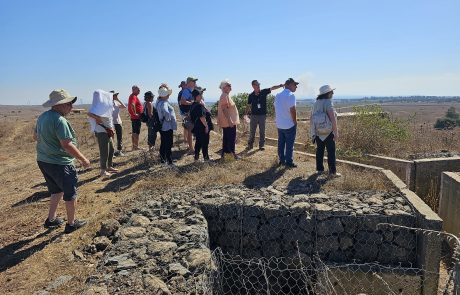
(151, 134)
(201, 143)
(329, 144)
(166, 146)
(119, 131)
(228, 140)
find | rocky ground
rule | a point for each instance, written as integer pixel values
(162, 244)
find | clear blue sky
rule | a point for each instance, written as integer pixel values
(367, 47)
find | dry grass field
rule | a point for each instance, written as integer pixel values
(32, 257)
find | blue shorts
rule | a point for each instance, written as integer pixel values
(60, 178)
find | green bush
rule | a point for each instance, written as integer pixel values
(241, 101)
(371, 131)
(450, 121)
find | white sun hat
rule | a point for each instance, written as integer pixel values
(164, 91)
(325, 89)
(59, 96)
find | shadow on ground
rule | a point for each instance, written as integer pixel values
(35, 197)
(310, 185)
(14, 253)
(266, 178)
(124, 179)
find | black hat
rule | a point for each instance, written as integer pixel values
(198, 91)
(149, 94)
(290, 81)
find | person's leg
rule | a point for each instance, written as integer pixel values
(225, 135)
(190, 140)
(111, 151)
(290, 139)
(136, 126)
(281, 145)
(232, 141)
(252, 131)
(102, 141)
(198, 143)
(54, 202)
(119, 132)
(262, 119)
(319, 154)
(70, 192)
(330, 146)
(205, 145)
(150, 137)
(169, 142)
(70, 210)
(162, 146)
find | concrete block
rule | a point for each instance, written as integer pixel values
(449, 202)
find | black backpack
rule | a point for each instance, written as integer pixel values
(155, 121)
(144, 116)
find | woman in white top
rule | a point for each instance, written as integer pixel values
(323, 129)
(101, 121)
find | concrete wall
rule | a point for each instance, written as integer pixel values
(402, 168)
(428, 175)
(449, 202)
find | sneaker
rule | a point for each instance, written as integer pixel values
(334, 175)
(249, 147)
(55, 223)
(319, 172)
(76, 225)
(291, 165)
(261, 148)
(120, 154)
(281, 163)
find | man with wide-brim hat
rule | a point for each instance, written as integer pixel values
(56, 151)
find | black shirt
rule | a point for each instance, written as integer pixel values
(197, 110)
(259, 102)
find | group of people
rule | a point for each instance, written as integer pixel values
(57, 144)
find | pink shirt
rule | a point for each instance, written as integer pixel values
(226, 102)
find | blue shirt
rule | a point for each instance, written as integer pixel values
(187, 95)
(166, 115)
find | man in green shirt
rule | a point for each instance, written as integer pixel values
(56, 150)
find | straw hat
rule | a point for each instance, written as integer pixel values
(59, 96)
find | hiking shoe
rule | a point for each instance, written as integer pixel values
(291, 165)
(261, 148)
(76, 225)
(55, 223)
(334, 175)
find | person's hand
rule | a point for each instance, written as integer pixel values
(336, 136)
(85, 163)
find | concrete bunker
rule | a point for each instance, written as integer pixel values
(307, 245)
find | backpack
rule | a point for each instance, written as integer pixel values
(144, 116)
(155, 122)
(321, 123)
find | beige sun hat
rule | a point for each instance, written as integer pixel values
(59, 96)
(164, 91)
(325, 89)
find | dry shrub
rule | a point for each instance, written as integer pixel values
(371, 131)
(357, 179)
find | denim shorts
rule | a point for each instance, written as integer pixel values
(60, 178)
(136, 126)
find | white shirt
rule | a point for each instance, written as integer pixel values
(116, 113)
(284, 101)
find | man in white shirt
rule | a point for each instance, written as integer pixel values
(286, 122)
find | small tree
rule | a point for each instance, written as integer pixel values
(452, 114)
(241, 101)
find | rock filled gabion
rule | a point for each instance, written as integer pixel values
(163, 244)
